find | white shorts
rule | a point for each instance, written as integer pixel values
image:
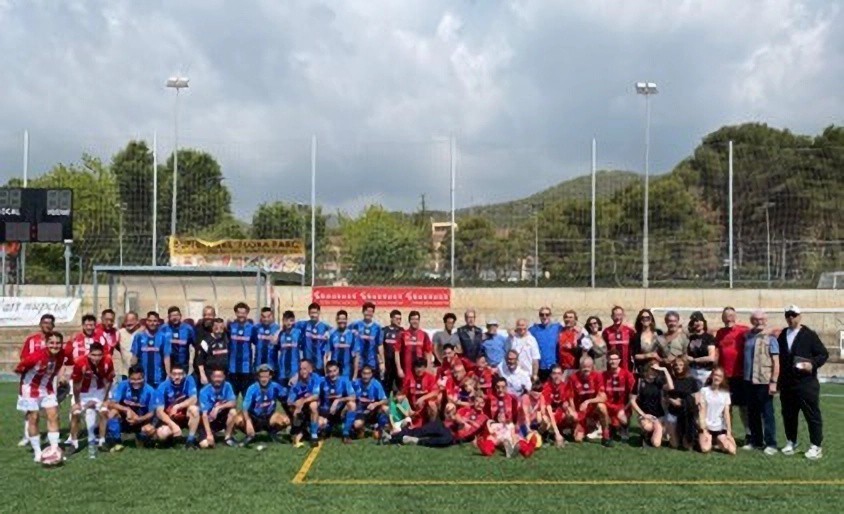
(670, 418)
(95, 396)
(36, 404)
(701, 375)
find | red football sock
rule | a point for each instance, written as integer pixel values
(486, 447)
(605, 433)
(527, 448)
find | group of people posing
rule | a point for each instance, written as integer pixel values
(506, 390)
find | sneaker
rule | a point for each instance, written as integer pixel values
(789, 448)
(606, 443)
(231, 443)
(814, 453)
(314, 442)
(594, 435)
(347, 440)
(748, 446)
(23, 442)
(625, 434)
(385, 437)
(298, 444)
(770, 450)
(117, 448)
(191, 445)
(246, 441)
(409, 440)
(509, 448)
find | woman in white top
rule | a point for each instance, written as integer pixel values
(715, 423)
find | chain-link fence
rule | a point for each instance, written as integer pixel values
(524, 215)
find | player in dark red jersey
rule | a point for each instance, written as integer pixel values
(484, 374)
(422, 392)
(389, 341)
(588, 401)
(556, 395)
(92, 377)
(618, 336)
(38, 371)
(502, 401)
(32, 344)
(467, 423)
(450, 359)
(618, 385)
(414, 343)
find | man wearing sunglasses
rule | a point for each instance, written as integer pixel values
(547, 335)
(801, 354)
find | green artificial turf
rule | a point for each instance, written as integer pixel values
(364, 477)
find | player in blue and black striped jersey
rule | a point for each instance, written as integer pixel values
(372, 408)
(130, 409)
(337, 403)
(259, 412)
(181, 336)
(217, 403)
(265, 340)
(314, 338)
(289, 352)
(240, 350)
(368, 341)
(341, 347)
(151, 352)
(303, 402)
(176, 407)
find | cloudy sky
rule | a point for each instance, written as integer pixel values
(522, 85)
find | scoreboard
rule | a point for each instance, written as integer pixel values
(31, 215)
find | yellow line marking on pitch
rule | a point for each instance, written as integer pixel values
(300, 479)
(306, 466)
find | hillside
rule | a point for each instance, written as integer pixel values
(607, 183)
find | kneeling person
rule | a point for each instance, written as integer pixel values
(217, 409)
(337, 401)
(92, 377)
(372, 406)
(130, 410)
(259, 408)
(175, 407)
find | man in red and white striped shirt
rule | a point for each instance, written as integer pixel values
(38, 371)
(81, 342)
(106, 333)
(32, 344)
(92, 377)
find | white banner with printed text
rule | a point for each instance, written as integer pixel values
(27, 311)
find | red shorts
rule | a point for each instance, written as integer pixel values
(559, 417)
(583, 417)
(180, 418)
(613, 410)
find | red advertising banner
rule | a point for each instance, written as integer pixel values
(382, 296)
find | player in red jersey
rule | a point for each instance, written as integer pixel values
(501, 433)
(75, 348)
(106, 333)
(484, 375)
(731, 338)
(556, 395)
(502, 401)
(568, 343)
(588, 401)
(32, 344)
(38, 371)
(618, 386)
(92, 377)
(467, 423)
(618, 336)
(422, 393)
(414, 343)
(533, 412)
(450, 359)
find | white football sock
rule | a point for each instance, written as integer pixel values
(35, 442)
(91, 422)
(53, 438)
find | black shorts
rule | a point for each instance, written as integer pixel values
(217, 425)
(716, 433)
(260, 423)
(335, 419)
(738, 392)
(240, 382)
(126, 428)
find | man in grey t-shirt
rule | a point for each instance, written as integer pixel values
(446, 336)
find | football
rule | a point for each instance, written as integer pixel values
(52, 457)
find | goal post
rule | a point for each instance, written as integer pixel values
(144, 288)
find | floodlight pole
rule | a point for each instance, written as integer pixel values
(22, 257)
(647, 89)
(3, 264)
(67, 255)
(176, 83)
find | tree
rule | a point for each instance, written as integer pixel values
(279, 220)
(203, 200)
(132, 168)
(380, 247)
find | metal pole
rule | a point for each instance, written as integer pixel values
(768, 238)
(173, 209)
(535, 249)
(313, 209)
(25, 184)
(3, 264)
(782, 263)
(453, 155)
(594, 228)
(120, 223)
(154, 197)
(67, 268)
(730, 195)
(304, 230)
(645, 265)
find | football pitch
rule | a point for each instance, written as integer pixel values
(366, 477)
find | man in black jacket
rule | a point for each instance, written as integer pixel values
(801, 354)
(212, 352)
(471, 336)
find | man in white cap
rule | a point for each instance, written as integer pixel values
(494, 346)
(801, 354)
